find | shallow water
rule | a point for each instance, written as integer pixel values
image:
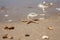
(18, 9)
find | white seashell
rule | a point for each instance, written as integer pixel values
(45, 37)
(31, 15)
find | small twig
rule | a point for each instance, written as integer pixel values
(31, 22)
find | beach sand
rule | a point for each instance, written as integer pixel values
(32, 31)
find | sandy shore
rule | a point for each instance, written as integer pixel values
(33, 30)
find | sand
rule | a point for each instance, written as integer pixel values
(32, 31)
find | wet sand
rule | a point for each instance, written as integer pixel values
(35, 31)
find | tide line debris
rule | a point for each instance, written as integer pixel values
(30, 21)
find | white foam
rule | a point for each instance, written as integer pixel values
(6, 15)
(58, 9)
(10, 20)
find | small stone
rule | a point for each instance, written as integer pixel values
(27, 35)
(11, 28)
(45, 37)
(5, 36)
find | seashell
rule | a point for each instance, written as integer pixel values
(45, 37)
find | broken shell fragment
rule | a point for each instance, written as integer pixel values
(45, 37)
(50, 28)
